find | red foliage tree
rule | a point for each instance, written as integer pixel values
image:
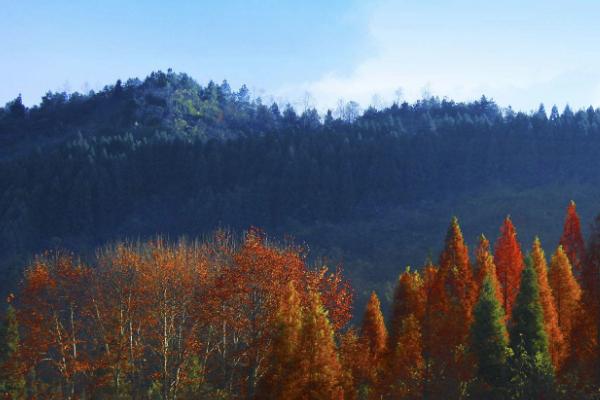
(572, 239)
(509, 264)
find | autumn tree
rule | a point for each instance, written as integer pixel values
(319, 362)
(485, 267)
(353, 360)
(281, 379)
(52, 313)
(531, 365)
(12, 381)
(584, 359)
(409, 298)
(405, 364)
(489, 341)
(406, 372)
(566, 292)
(572, 239)
(509, 263)
(451, 303)
(373, 341)
(555, 337)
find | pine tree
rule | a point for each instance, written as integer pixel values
(489, 339)
(509, 263)
(281, 378)
(531, 364)
(566, 292)
(572, 239)
(485, 267)
(373, 341)
(12, 380)
(555, 336)
(319, 363)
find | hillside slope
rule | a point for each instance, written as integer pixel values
(167, 155)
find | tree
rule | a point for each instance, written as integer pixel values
(509, 263)
(485, 267)
(489, 339)
(572, 239)
(451, 303)
(406, 371)
(405, 364)
(584, 359)
(566, 292)
(409, 298)
(281, 379)
(531, 364)
(319, 363)
(12, 380)
(555, 336)
(373, 341)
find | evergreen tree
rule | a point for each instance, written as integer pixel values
(572, 239)
(531, 364)
(555, 336)
(489, 339)
(509, 263)
(12, 380)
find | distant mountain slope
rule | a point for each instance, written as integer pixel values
(169, 156)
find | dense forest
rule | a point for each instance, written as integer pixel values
(253, 319)
(369, 188)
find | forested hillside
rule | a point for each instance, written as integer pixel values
(168, 155)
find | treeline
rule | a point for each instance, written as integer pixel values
(221, 319)
(168, 155)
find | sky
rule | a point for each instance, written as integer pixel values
(315, 53)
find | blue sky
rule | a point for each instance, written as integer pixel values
(316, 52)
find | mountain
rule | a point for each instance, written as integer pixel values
(168, 156)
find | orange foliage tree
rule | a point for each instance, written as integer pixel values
(373, 342)
(281, 379)
(53, 312)
(170, 320)
(566, 292)
(320, 369)
(572, 239)
(405, 364)
(509, 264)
(584, 359)
(555, 336)
(451, 303)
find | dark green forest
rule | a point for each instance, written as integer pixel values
(167, 155)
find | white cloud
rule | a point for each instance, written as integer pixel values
(462, 53)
